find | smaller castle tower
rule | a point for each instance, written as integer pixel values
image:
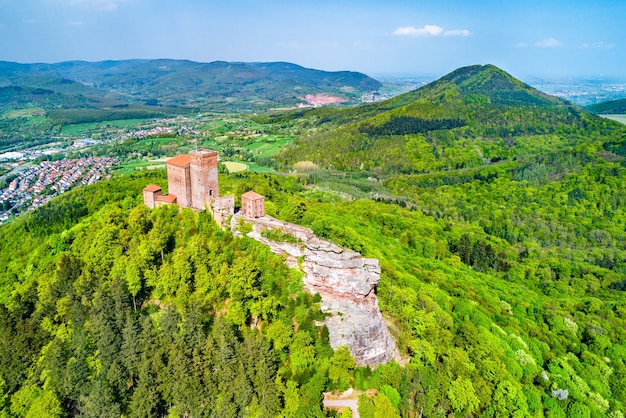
(252, 205)
(150, 195)
(179, 179)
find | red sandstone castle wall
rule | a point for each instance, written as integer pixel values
(150, 194)
(252, 205)
(204, 183)
(179, 184)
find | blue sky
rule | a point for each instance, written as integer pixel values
(526, 38)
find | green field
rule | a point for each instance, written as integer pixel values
(235, 167)
(84, 128)
(260, 169)
(268, 145)
(139, 165)
(24, 113)
(617, 118)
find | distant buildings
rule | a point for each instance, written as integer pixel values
(192, 182)
(39, 184)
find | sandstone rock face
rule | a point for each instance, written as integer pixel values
(345, 281)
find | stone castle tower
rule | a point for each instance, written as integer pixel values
(192, 179)
(204, 184)
(179, 179)
(193, 183)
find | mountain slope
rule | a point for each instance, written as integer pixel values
(187, 83)
(106, 305)
(472, 117)
(607, 108)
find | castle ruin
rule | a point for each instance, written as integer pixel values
(192, 181)
(344, 280)
(252, 205)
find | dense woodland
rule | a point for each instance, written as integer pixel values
(111, 309)
(501, 244)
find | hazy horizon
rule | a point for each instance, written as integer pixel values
(530, 39)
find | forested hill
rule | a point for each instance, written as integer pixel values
(607, 108)
(110, 309)
(503, 272)
(165, 82)
(474, 116)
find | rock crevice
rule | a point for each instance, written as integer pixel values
(346, 282)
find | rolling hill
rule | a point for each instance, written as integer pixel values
(613, 107)
(474, 116)
(179, 83)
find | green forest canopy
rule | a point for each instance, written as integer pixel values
(109, 308)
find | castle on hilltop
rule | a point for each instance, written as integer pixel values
(192, 181)
(342, 277)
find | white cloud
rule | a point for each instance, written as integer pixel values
(427, 30)
(548, 43)
(75, 23)
(457, 32)
(598, 45)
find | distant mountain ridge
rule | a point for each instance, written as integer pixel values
(168, 82)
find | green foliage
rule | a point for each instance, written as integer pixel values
(77, 116)
(277, 235)
(143, 313)
(377, 407)
(463, 396)
(341, 366)
(502, 269)
(405, 125)
(613, 107)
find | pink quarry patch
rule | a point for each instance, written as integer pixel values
(323, 99)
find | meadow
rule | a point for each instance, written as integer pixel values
(139, 165)
(79, 129)
(617, 118)
(24, 113)
(234, 167)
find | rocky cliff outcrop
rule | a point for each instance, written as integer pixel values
(346, 283)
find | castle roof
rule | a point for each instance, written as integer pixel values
(167, 198)
(152, 188)
(179, 161)
(203, 152)
(252, 195)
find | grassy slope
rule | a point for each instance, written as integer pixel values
(607, 108)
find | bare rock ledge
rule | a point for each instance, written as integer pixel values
(346, 283)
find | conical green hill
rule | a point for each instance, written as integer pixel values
(474, 116)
